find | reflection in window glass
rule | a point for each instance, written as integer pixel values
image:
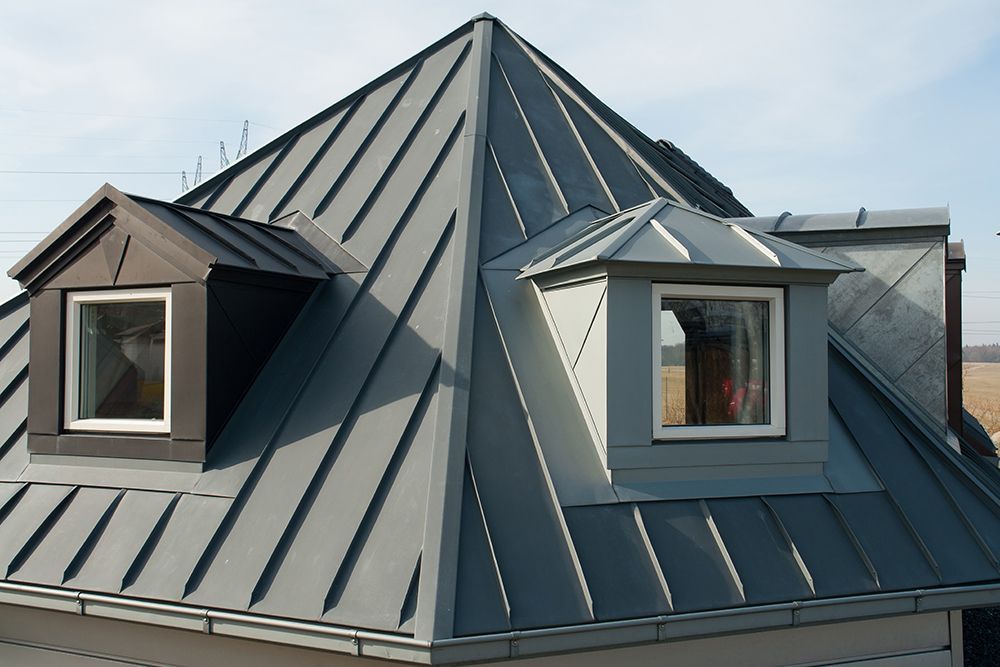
(122, 349)
(714, 362)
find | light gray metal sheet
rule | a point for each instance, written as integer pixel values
(562, 231)
(48, 561)
(883, 535)
(374, 434)
(13, 434)
(846, 468)
(692, 563)
(762, 557)
(577, 473)
(31, 510)
(535, 560)
(436, 83)
(114, 552)
(11, 324)
(172, 557)
(559, 145)
(502, 228)
(376, 578)
(324, 400)
(7, 491)
(826, 548)
(616, 562)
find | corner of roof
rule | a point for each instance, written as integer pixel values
(483, 16)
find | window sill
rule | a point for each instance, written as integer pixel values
(733, 431)
(118, 445)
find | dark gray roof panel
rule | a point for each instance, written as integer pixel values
(620, 568)
(690, 556)
(827, 548)
(762, 555)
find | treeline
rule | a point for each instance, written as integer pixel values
(981, 353)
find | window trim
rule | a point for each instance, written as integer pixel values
(71, 419)
(775, 296)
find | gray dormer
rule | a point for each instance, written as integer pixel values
(696, 347)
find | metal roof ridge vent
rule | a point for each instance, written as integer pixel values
(337, 256)
(862, 217)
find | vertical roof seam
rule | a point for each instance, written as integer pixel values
(276, 161)
(436, 593)
(616, 136)
(723, 549)
(582, 144)
(853, 538)
(39, 533)
(404, 146)
(590, 326)
(319, 476)
(506, 189)
(796, 556)
(369, 139)
(93, 537)
(489, 540)
(391, 471)
(531, 134)
(317, 157)
(550, 488)
(651, 553)
(152, 539)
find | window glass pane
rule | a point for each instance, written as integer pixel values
(122, 349)
(714, 362)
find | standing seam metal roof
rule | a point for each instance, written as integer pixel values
(402, 462)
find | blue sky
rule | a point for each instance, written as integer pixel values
(799, 106)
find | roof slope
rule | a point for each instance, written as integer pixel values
(406, 460)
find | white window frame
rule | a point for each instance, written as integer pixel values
(775, 296)
(74, 303)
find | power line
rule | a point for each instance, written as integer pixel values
(127, 115)
(82, 138)
(97, 172)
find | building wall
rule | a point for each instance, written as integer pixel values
(56, 639)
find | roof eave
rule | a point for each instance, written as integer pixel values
(506, 645)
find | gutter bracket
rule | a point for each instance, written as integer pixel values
(661, 628)
(79, 604)
(918, 602)
(355, 643)
(796, 616)
(515, 649)
(206, 623)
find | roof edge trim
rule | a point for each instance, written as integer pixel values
(591, 636)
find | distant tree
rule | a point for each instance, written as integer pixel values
(981, 353)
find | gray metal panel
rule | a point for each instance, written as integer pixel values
(104, 565)
(762, 557)
(578, 475)
(29, 513)
(240, 179)
(847, 468)
(617, 563)
(530, 186)
(558, 143)
(886, 541)
(689, 555)
(826, 548)
(165, 568)
(536, 562)
(907, 478)
(49, 560)
(558, 233)
(480, 602)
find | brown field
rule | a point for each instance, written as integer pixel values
(981, 389)
(672, 406)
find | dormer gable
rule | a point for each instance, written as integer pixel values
(151, 320)
(690, 338)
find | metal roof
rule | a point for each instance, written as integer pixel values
(860, 220)
(410, 461)
(662, 232)
(197, 241)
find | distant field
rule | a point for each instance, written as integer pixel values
(981, 388)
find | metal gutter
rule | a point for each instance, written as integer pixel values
(500, 646)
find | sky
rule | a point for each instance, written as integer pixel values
(801, 106)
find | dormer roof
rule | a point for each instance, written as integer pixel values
(661, 232)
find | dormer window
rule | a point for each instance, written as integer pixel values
(719, 351)
(118, 361)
